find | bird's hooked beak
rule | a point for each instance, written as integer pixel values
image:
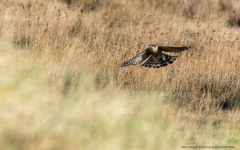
(150, 46)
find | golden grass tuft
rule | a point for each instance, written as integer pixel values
(62, 87)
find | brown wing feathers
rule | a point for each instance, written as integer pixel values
(138, 59)
(173, 49)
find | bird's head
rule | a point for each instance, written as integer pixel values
(153, 47)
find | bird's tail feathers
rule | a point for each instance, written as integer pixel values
(151, 63)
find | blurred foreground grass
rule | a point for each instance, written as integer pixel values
(37, 115)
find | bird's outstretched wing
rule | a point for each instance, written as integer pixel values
(151, 63)
(137, 59)
(172, 49)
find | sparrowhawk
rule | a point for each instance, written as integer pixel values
(156, 57)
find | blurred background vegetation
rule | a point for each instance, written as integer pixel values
(62, 87)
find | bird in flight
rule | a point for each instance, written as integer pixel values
(156, 57)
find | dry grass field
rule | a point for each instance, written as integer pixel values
(62, 87)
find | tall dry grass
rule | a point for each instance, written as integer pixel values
(55, 47)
